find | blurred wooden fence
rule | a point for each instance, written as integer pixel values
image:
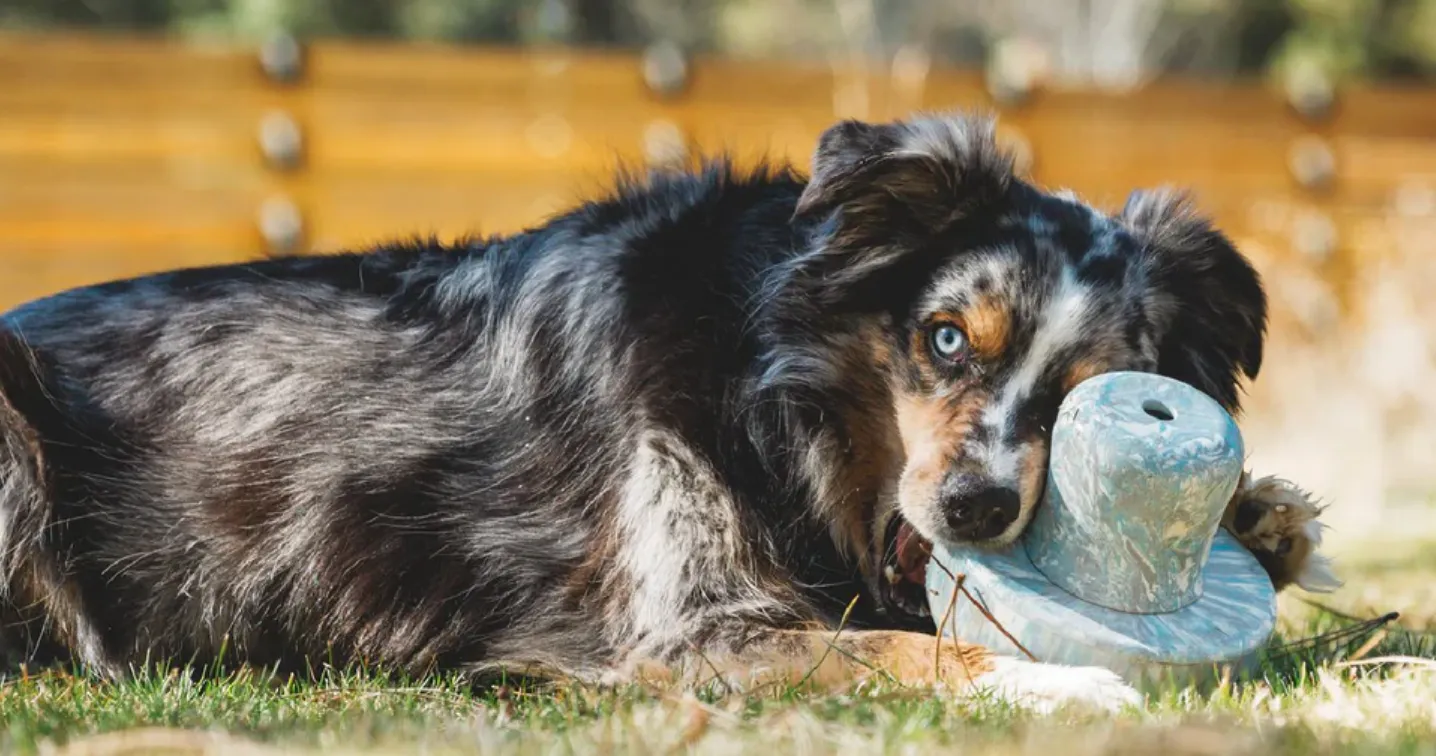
(120, 156)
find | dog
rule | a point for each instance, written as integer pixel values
(705, 427)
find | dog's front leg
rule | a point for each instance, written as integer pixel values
(831, 660)
(839, 661)
(1277, 522)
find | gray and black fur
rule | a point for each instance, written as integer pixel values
(681, 418)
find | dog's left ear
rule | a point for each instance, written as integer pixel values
(892, 181)
(1209, 306)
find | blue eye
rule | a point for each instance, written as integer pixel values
(948, 341)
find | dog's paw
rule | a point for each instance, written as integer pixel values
(1044, 688)
(1277, 522)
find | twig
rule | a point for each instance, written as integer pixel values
(960, 588)
(831, 644)
(717, 673)
(941, 626)
(1347, 633)
(1377, 637)
(985, 613)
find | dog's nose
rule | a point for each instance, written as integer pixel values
(976, 509)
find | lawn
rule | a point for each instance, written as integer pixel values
(1368, 693)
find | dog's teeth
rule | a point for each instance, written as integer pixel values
(892, 575)
(922, 611)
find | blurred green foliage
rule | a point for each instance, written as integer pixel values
(1346, 38)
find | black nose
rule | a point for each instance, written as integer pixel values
(977, 510)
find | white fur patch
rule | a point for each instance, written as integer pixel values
(1318, 575)
(1001, 462)
(680, 539)
(938, 138)
(996, 265)
(1060, 325)
(1048, 687)
(1062, 322)
(662, 493)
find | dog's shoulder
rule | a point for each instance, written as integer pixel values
(712, 192)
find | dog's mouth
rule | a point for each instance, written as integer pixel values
(902, 586)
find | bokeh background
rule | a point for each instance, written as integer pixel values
(137, 135)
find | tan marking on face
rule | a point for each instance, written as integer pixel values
(1084, 368)
(932, 430)
(878, 347)
(988, 327)
(1032, 479)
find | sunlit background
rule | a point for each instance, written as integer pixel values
(137, 135)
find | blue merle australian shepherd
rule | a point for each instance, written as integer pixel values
(682, 430)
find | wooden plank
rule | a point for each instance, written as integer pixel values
(76, 226)
(123, 155)
(373, 107)
(41, 202)
(1103, 157)
(32, 64)
(112, 72)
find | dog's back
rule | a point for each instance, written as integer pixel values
(401, 456)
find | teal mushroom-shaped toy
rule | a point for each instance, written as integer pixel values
(1124, 564)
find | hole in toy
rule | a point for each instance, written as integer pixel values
(1157, 409)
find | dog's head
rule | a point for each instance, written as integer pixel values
(994, 299)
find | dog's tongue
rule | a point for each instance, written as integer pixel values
(912, 554)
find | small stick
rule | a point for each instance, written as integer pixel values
(1346, 633)
(947, 615)
(960, 588)
(1376, 637)
(832, 644)
(998, 625)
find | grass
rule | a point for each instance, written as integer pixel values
(1318, 699)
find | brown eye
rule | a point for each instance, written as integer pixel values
(948, 341)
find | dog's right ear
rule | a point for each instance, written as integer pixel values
(1209, 305)
(912, 178)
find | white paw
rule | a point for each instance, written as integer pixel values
(1047, 687)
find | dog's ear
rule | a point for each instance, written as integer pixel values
(1208, 306)
(847, 152)
(910, 178)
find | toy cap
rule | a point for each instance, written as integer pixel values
(1124, 564)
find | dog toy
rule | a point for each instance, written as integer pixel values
(1124, 564)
